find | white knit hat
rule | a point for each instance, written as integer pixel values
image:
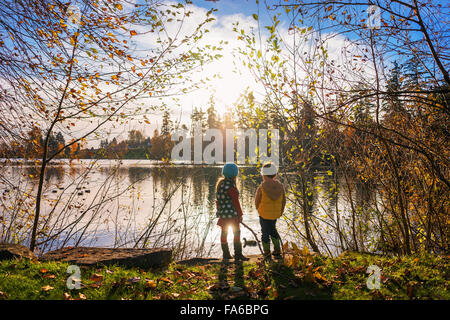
(269, 170)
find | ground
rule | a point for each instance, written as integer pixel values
(301, 275)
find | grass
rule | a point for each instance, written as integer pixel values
(300, 276)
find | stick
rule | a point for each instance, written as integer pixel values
(256, 237)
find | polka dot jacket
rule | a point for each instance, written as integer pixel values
(227, 196)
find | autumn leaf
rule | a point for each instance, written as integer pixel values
(3, 296)
(133, 33)
(96, 277)
(47, 288)
(317, 275)
(43, 270)
(166, 280)
(82, 296)
(67, 296)
(150, 284)
(134, 280)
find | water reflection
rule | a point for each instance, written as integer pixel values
(141, 204)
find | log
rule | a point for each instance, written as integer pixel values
(129, 258)
(10, 251)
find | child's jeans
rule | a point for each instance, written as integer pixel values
(268, 228)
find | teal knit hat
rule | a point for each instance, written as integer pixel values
(230, 170)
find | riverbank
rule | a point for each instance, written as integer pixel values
(301, 275)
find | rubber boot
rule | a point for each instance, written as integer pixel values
(266, 249)
(238, 252)
(276, 248)
(226, 251)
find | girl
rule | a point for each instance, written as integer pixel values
(270, 200)
(229, 211)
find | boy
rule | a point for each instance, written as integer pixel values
(270, 200)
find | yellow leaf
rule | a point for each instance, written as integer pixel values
(150, 284)
(133, 33)
(317, 275)
(118, 6)
(294, 246)
(305, 251)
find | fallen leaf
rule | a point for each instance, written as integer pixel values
(96, 277)
(50, 276)
(97, 284)
(134, 280)
(166, 280)
(43, 270)
(67, 296)
(175, 295)
(3, 296)
(82, 296)
(47, 288)
(317, 275)
(150, 284)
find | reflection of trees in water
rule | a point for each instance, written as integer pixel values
(51, 172)
(191, 210)
(212, 178)
(247, 186)
(56, 172)
(136, 174)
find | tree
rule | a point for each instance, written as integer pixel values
(212, 120)
(167, 124)
(135, 139)
(157, 149)
(198, 119)
(61, 69)
(373, 122)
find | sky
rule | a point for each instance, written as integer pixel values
(234, 79)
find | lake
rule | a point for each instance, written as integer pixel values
(144, 203)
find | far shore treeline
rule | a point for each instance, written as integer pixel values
(138, 146)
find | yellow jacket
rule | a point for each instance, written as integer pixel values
(270, 205)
